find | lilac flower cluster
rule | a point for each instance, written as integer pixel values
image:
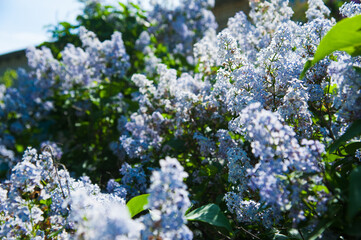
(81, 66)
(101, 216)
(55, 149)
(133, 179)
(180, 27)
(168, 202)
(350, 9)
(114, 187)
(205, 52)
(316, 10)
(144, 45)
(206, 146)
(344, 76)
(171, 96)
(279, 154)
(250, 212)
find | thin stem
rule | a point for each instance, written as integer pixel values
(248, 232)
(300, 233)
(223, 235)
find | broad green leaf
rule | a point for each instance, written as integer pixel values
(294, 234)
(66, 25)
(344, 36)
(280, 237)
(137, 204)
(320, 228)
(354, 205)
(177, 144)
(331, 90)
(353, 131)
(354, 229)
(352, 147)
(320, 188)
(329, 157)
(307, 66)
(210, 214)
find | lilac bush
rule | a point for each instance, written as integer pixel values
(190, 117)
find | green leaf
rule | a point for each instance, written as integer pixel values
(280, 237)
(320, 228)
(331, 90)
(210, 214)
(66, 25)
(352, 147)
(344, 36)
(137, 204)
(19, 148)
(354, 205)
(353, 131)
(354, 229)
(177, 144)
(320, 188)
(329, 157)
(103, 94)
(307, 66)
